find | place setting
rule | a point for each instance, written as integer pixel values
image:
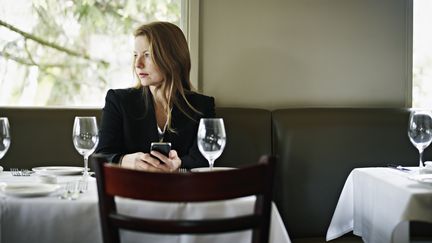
(37, 182)
(420, 135)
(63, 182)
(211, 143)
(45, 181)
(24, 187)
(425, 175)
(5, 138)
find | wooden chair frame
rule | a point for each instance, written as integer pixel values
(256, 179)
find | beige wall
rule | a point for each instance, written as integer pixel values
(297, 53)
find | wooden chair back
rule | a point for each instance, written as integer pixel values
(256, 179)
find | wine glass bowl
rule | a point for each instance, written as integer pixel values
(420, 131)
(211, 138)
(5, 138)
(85, 138)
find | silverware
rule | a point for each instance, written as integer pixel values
(82, 186)
(14, 171)
(67, 190)
(183, 170)
(22, 172)
(398, 167)
(25, 172)
(71, 191)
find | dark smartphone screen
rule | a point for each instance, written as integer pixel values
(163, 148)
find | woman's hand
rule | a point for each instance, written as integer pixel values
(140, 161)
(170, 163)
(145, 161)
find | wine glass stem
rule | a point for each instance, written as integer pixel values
(85, 174)
(211, 162)
(420, 159)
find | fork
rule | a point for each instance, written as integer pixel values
(82, 186)
(15, 171)
(183, 170)
(71, 191)
(18, 172)
(26, 172)
(74, 195)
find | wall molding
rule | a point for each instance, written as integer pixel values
(409, 53)
(190, 25)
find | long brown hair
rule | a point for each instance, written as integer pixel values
(170, 53)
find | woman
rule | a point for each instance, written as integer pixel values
(161, 107)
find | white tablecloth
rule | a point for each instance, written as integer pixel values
(376, 201)
(51, 219)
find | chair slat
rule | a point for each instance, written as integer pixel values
(186, 226)
(204, 186)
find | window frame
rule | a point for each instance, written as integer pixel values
(409, 53)
(190, 27)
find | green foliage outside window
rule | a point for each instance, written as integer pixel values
(68, 53)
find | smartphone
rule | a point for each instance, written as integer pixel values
(163, 148)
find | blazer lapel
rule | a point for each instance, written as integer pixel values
(169, 136)
(151, 119)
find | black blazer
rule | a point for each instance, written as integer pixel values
(128, 127)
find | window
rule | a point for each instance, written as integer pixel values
(68, 53)
(422, 54)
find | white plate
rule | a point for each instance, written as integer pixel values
(28, 189)
(58, 170)
(422, 178)
(207, 169)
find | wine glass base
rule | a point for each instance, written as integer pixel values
(90, 173)
(85, 175)
(425, 170)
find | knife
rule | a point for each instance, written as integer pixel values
(398, 167)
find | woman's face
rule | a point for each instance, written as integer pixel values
(145, 68)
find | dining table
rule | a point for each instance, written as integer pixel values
(377, 203)
(68, 213)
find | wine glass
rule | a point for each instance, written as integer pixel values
(4, 136)
(420, 131)
(85, 138)
(211, 138)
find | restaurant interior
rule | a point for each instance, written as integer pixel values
(326, 87)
